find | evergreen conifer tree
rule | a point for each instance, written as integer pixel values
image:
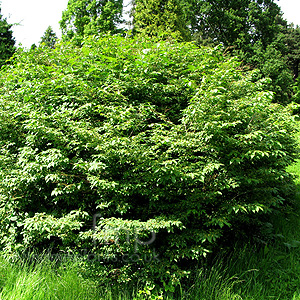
(160, 18)
(49, 38)
(7, 41)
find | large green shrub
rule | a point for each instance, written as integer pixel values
(124, 140)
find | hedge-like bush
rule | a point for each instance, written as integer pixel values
(140, 154)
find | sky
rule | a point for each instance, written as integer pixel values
(34, 16)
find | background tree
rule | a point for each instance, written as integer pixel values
(255, 31)
(238, 23)
(292, 51)
(157, 17)
(49, 38)
(273, 64)
(88, 17)
(7, 41)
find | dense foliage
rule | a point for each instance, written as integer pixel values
(127, 148)
(238, 23)
(160, 18)
(90, 17)
(253, 30)
(7, 41)
(291, 41)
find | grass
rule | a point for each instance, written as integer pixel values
(248, 273)
(43, 280)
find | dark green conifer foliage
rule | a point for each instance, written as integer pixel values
(292, 43)
(160, 18)
(7, 41)
(49, 38)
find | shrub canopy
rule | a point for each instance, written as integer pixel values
(127, 140)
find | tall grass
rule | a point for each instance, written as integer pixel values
(41, 278)
(22, 280)
(248, 273)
